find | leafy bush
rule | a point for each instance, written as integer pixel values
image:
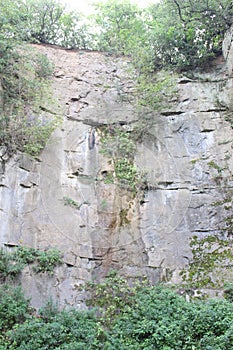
(11, 264)
(14, 307)
(8, 268)
(71, 330)
(155, 91)
(119, 145)
(160, 319)
(187, 34)
(123, 316)
(47, 260)
(111, 297)
(228, 292)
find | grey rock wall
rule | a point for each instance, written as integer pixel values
(110, 227)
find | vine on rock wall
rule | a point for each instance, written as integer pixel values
(212, 260)
(26, 121)
(118, 145)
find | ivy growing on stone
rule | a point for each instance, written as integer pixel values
(211, 261)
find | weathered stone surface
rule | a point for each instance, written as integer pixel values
(228, 50)
(63, 201)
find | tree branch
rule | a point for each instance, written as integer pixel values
(179, 10)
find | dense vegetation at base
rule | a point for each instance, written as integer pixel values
(120, 318)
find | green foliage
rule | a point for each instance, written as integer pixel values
(71, 202)
(14, 307)
(111, 297)
(124, 316)
(8, 267)
(228, 291)
(155, 91)
(168, 34)
(109, 178)
(116, 142)
(120, 27)
(215, 166)
(119, 145)
(47, 260)
(126, 173)
(212, 257)
(43, 21)
(49, 22)
(188, 34)
(43, 67)
(49, 311)
(145, 317)
(163, 320)
(26, 122)
(65, 330)
(24, 89)
(11, 264)
(12, 20)
(37, 135)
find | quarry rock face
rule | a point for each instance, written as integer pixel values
(67, 199)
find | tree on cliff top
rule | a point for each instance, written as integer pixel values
(120, 26)
(180, 34)
(187, 34)
(43, 21)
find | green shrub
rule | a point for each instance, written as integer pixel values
(228, 291)
(65, 330)
(14, 307)
(71, 202)
(119, 145)
(44, 261)
(124, 316)
(47, 260)
(120, 26)
(43, 21)
(160, 319)
(8, 267)
(112, 296)
(11, 264)
(168, 34)
(49, 311)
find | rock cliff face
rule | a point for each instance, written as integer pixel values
(68, 198)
